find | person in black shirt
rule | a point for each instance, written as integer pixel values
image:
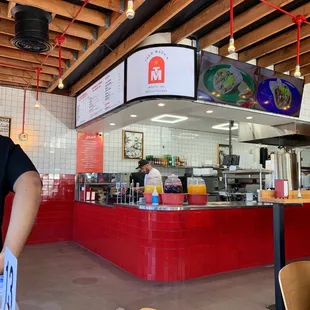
(18, 175)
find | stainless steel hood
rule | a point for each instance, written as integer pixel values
(291, 135)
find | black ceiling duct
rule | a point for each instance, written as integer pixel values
(31, 29)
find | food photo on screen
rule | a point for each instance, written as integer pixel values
(228, 81)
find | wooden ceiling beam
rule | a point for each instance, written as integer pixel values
(307, 79)
(68, 10)
(240, 22)
(9, 63)
(267, 30)
(5, 41)
(24, 74)
(274, 44)
(283, 54)
(113, 5)
(202, 19)
(22, 81)
(103, 35)
(290, 64)
(10, 7)
(172, 8)
(29, 57)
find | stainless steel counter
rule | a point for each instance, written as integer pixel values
(185, 207)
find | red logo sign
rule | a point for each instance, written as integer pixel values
(157, 70)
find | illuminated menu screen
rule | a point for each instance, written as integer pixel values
(102, 97)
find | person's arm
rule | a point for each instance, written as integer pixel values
(21, 178)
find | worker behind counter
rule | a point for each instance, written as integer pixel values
(152, 176)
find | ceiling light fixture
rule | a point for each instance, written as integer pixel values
(209, 112)
(249, 117)
(225, 127)
(133, 115)
(231, 47)
(130, 13)
(161, 104)
(112, 124)
(169, 119)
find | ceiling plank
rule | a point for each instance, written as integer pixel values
(172, 8)
(76, 30)
(29, 57)
(202, 19)
(274, 44)
(25, 74)
(113, 5)
(284, 54)
(101, 38)
(69, 10)
(307, 79)
(249, 17)
(10, 7)
(9, 63)
(290, 64)
(267, 30)
(5, 41)
(19, 80)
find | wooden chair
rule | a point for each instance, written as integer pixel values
(295, 285)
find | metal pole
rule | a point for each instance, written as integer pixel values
(279, 253)
(231, 125)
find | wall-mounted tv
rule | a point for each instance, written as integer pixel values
(228, 81)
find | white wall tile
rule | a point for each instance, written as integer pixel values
(51, 143)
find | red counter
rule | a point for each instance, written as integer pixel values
(179, 245)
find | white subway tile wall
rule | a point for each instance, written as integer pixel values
(195, 146)
(51, 141)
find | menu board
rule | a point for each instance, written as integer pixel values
(161, 71)
(102, 97)
(228, 81)
(89, 153)
(5, 126)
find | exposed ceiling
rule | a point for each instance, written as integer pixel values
(102, 35)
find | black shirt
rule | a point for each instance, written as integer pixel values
(13, 163)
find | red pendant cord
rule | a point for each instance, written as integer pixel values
(231, 18)
(38, 70)
(298, 41)
(24, 111)
(60, 40)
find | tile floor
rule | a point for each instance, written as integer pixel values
(64, 276)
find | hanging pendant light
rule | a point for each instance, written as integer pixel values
(60, 40)
(37, 104)
(130, 13)
(231, 47)
(298, 20)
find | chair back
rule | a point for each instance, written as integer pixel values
(295, 285)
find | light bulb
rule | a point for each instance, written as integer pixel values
(60, 84)
(130, 13)
(37, 105)
(297, 72)
(231, 47)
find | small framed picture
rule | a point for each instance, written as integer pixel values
(5, 126)
(133, 144)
